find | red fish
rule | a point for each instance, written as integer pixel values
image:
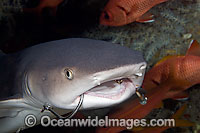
(184, 70)
(168, 79)
(122, 12)
(134, 110)
(52, 4)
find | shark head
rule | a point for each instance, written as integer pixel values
(58, 72)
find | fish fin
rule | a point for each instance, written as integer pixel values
(10, 108)
(180, 122)
(179, 112)
(146, 18)
(182, 96)
(194, 48)
(12, 103)
(10, 112)
(164, 59)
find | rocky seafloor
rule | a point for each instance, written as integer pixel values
(177, 22)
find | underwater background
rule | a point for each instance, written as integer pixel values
(177, 22)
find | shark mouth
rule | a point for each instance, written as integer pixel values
(112, 89)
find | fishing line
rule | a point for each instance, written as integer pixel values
(142, 97)
(70, 115)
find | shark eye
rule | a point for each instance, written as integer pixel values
(68, 74)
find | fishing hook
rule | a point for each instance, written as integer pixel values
(143, 99)
(70, 115)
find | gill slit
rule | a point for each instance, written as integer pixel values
(47, 106)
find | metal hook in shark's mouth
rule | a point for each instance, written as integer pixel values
(69, 115)
(143, 99)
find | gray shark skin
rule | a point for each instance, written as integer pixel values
(58, 72)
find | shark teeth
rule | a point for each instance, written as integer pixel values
(114, 95)
(119, 81)
(97, 81)
(112, 90)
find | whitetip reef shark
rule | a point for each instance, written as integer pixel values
(57, 74)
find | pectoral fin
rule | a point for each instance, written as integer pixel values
(11, 108)
(194, 48)
(146, 18)
(178, 95)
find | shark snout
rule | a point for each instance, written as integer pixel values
(114, 86)
(129, 71)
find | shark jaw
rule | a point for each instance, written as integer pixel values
(107, 94)
(112, 88)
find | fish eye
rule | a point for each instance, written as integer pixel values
(106, 16)
(68, 74)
